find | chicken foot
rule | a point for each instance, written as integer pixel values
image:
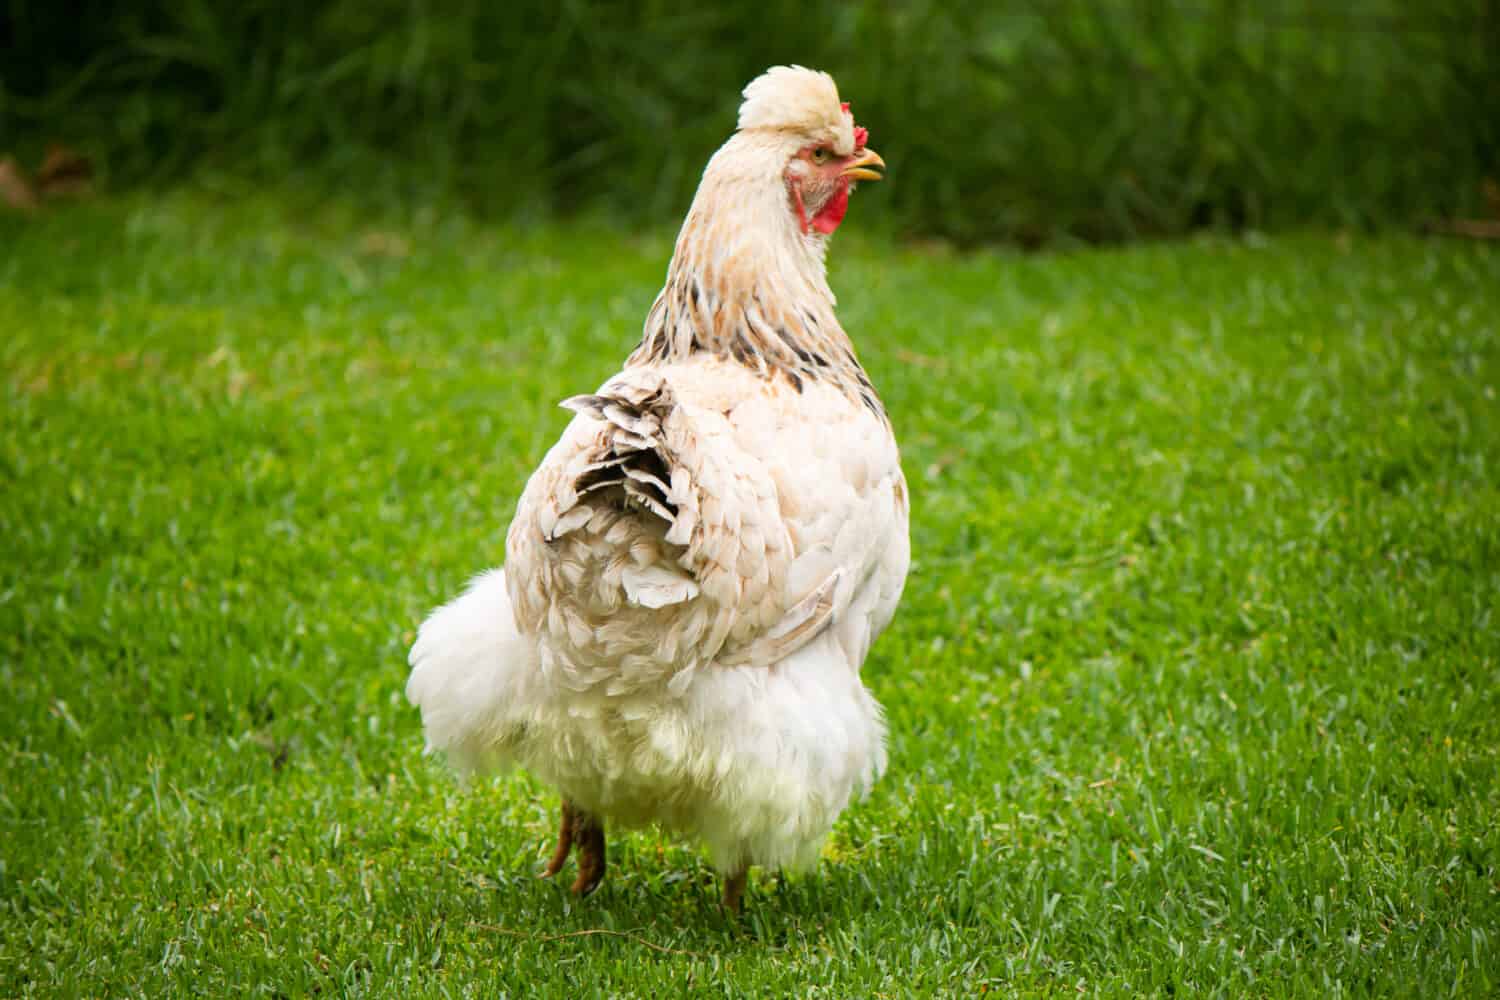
(734, 889)
(587, 831)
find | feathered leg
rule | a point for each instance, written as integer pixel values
(587, 831)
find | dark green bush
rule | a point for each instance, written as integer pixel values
(1024, 120)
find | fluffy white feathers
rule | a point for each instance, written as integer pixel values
(800, 100)
(471, 675)
(697, 569)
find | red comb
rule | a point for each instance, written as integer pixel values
(861, 134)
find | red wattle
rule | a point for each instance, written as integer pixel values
(831, 214)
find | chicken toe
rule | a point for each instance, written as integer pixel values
(586, 831)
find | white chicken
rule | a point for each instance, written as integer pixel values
(697, 569)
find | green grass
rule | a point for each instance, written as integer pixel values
(1022, 120)
(1195, 688)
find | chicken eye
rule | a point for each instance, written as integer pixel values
(821, 155)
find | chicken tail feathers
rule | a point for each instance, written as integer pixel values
(470, 667)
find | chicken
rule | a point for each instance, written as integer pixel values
(696, 572)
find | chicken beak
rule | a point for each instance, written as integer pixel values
(866, 165)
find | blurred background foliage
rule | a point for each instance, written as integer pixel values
(1027, 121)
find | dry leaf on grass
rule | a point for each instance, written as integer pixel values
(64, 173)
(15, 189)
(1474, 229)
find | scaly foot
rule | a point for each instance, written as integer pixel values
(564, 842)
(587, 831)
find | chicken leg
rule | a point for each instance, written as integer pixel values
(587, 831)
(734, 889)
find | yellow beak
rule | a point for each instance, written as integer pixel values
(867, 166)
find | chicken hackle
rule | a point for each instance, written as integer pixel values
(696, 571)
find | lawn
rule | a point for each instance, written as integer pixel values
(1195, 688)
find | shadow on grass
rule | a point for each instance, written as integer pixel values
(673, 907)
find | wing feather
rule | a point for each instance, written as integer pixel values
(697, 514)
